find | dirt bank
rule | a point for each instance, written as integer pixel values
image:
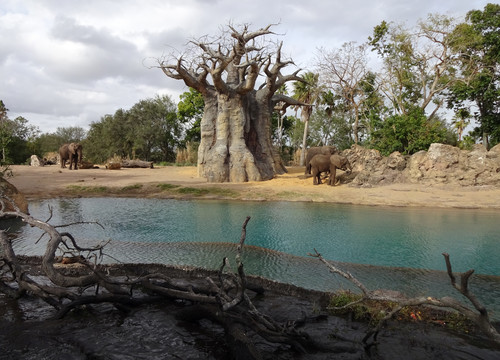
(52, 181)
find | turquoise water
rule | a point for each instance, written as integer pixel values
(393, 248)
(399, 237)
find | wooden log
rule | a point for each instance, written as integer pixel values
(137, 164)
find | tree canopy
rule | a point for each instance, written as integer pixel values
(150, 130)
(236, 124)
(427, 83)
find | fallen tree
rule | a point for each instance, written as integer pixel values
(225, 297)
(478, 315)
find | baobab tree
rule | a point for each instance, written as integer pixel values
(235, 141)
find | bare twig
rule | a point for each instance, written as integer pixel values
(480, 318)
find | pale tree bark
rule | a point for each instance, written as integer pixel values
(478, 314)
(235, 141)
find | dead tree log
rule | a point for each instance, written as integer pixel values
(137, 164)
(478, 315)
(225, 297)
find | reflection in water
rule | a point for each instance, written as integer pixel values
(401, 248)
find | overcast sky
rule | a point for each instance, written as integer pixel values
(69, 62)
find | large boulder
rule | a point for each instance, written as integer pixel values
(441, 164)
(36, 161)
(371, 168)
(10, 194)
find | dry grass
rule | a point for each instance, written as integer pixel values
(189, 155)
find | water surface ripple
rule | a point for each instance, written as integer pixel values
(397, 248)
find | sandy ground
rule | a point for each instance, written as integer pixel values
(52, 181)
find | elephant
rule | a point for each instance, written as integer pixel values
(71, 152)
(316, 150)
(328, 163)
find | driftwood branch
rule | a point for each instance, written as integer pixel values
(225, 298)
(479, 317)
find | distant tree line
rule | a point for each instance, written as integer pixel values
(431, 84)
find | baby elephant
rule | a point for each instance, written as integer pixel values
(325, 163)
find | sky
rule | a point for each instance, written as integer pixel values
(66, 63)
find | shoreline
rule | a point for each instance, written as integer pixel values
(183, 183)
(413, 338)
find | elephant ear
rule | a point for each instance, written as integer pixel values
(336, 160)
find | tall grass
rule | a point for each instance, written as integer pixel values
(188, 155)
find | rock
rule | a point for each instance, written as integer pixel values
(9, 191)
(36, 161)
(441, 164)
(113, 166)
(86, 165)
(51, 158)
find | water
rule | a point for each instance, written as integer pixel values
(396, 248)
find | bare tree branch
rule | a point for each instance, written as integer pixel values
(480, 318)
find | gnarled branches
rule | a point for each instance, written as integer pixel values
(480, 318)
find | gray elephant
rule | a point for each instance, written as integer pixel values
(316, 150)
(328, 163)
(71, 152)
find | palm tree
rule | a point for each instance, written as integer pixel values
(308, 92)
(460, 121)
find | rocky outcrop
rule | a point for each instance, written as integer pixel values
(441, 164)
(11, 195)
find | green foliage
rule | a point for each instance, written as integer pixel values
(409, 133)
(368, 311)
(167, 186)
(17, 138)
(372, 311)
(150, 130)
(477, 44)
(297, 133)
(333, 129)
(190, 112)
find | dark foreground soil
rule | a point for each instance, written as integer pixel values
(163, 331)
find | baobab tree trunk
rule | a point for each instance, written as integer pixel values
(235, 141)
(223, 154)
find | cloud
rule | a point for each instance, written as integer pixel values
(68, 63)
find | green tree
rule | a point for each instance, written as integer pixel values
(150, 130)
(308, 92)
(409, 133)
(109, 137)
(477, 43)
(343, 70)
(190, 112)
(419, 68)
(70, 134)
(5, 131)
(157, 130)
(17, 138)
